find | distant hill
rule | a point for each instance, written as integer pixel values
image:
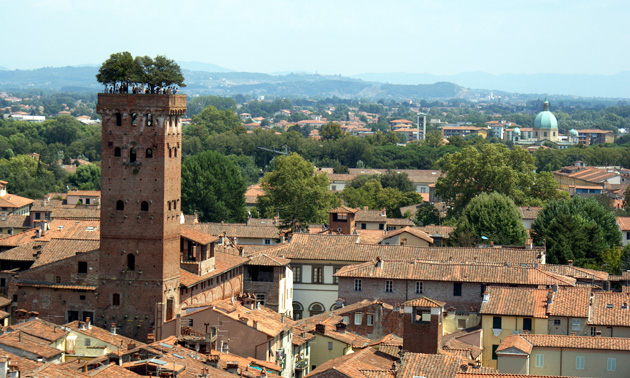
(617, 85)
(369, 86)
(200, 66)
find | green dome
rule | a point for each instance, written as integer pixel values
(545, 119)
(573, 132)
(517, 131)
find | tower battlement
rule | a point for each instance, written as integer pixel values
(110, 102)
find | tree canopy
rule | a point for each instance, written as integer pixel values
(493, 168)
(296, 193)
(213, 187)
(493, 216)
(121, 70)
(579, 229)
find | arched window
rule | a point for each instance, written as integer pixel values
(131, 262)
(149, 120)
(116, 299)
(117, 152)
(120, 205)
(170, 153)
(144, 206)
(297, 310)
(149, 153)
(118, 119)
(175, 151)
(134, 119)
(174, 204)
(132, 155)
(316, 308)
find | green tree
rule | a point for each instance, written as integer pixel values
(213, 187)
(118, 69)
(494, 216)
(434, 139)
(579, 229)
(331, 131)
(492, 168)
(218, 121)
(296, 193)
(427, 214)
(86, 177)
(246, 165)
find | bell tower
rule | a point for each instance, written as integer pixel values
(139, 258)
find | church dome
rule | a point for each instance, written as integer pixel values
(573, 132)
(545, 119)
(517, 131)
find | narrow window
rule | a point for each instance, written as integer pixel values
(496, 322)
(149, 153)
(118, 119)
(494, 352)
(389, 286)
(575, 324)
(116, 299)
(611, 364)
(134, 119)
(579, 362)
(175, 151)
(132, 155)
(370, 319)
(540, 360)
(317, 274)
(144, 206)
(149, 120)
(297, 274)
(358, 318)
(131, 262)
(357, 285)
(169, 205)
(457, 289)
(120, 205)
(170, 153)
(117, 152)
(83, 267)
(57, 279)
(527, 324)
(418, 287)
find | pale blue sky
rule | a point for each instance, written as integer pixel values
(331, 37)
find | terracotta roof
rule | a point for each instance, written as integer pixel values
(22, 238)
(345, 248)
(399, 222)
(42, 329)
(198, 237)
(222, 263)
(410, 230)
(300, 336)
(371, 216)
(52, 370)
(59, 249)
(245, 363)
(238, 230)
(83, 212)
(433, 230)
(334, 316)
(588, 174)
(575, 272)
(103, 335)
(14, 202)
(361, 364)
(342, 210)
(25, 252)
(515, 301)
(73, 229)
(371, 236)
(610, 309)
(624, 223)
(570, 302)
(453, 271)
(428, 366)
(529, 212)
(15, 221)
(84, 193)
(31, 344)
(474, 374)
(262, 259)
(269, 321)
(112, 371)
(577, 342)
(355, 340)
(44, 205)
(423, 302)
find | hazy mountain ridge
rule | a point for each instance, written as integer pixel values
(374, 86)
(617, 85)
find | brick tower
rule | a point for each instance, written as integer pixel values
(139, 258)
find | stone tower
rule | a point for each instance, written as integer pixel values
(139, 258)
